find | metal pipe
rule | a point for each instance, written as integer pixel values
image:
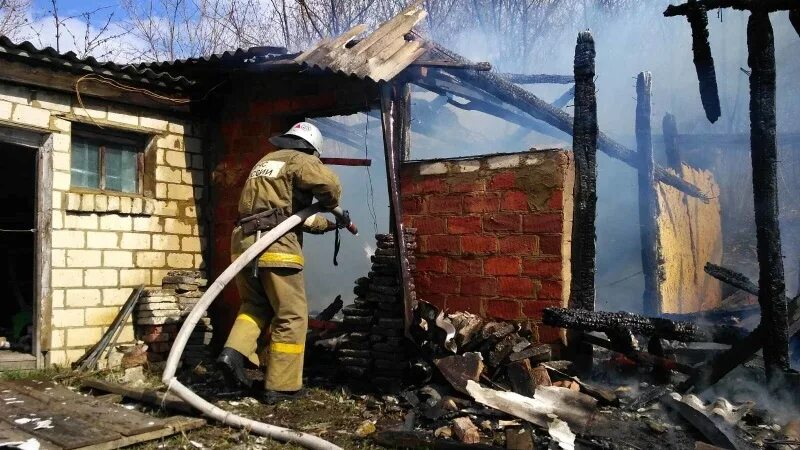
(264, 429)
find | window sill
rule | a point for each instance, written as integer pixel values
(108, 203)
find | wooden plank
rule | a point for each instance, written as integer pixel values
(43, 291)
(354, 162)
(153, 397)
(65, 430)
(174, 425)
(10, 433)
(108, 415)
(10, 360)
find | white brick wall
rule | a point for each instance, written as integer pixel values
(105, 244)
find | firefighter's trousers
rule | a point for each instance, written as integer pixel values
(276, 299)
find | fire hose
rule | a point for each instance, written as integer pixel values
(214, 412)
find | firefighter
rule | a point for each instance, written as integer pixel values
(273, 294)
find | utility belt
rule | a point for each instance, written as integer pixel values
(263, 221)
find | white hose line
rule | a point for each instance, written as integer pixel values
(175, 353)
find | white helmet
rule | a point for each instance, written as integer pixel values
(308, 133)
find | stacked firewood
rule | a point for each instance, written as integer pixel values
(161, 312)
(375, 346)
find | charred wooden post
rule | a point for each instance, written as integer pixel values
(396, 121)
(670, 130)
(608, 322)
(584, 145)
(794, 18)
(703, 61)
(764, 156)
(514, 95)
(652, 260)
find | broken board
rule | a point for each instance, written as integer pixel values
(691, 236)
(58, 418)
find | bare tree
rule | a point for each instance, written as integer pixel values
(14, 17)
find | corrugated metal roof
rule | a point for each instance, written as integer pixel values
(27, 52)
(380, 56)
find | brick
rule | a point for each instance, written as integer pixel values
(90, 109)
(117, 259)
(465, 266)
(442, 284)
(61, 161)
(61, 142)
(61, 181)
(502, 265)
(192, 244)
(412, 205)
(72, 201)
(101, 203)
(556, 199)
(157, 124)
(149, 224)
(135, 241)
(134, 277)
(57, 219)
(550, 244)
(430, 185)
(464, 224)
(503, 309)
(82, 297)
(83, 337)
(65, 278)
(68, 239)
(177, 226)
(57, 339)
(83, 258)
(464, 303)
(170, 141)
(542, 269)
(481, 203)
(432, 264)
(550, 335)
(5, 110)
(117, 297)
(444, 204)
(440, 244)
(502, 181)
(516, 287)
(101, 277)
(137, 205)
(437, 300)
(28, 115)
(436, 168)
(478, 285)
(58, 258)
(429, 225)
(113, 222)
(502, 222)
(518, 245)
(514, 201)
(533, 309)
(542, 223)
(550, 290)
(101, 316)
(468, 186)
(180, 260)
(168, 175)
(179, 192)
(58, 298)
(101, 239)
(468, 166)
(478, 245)
(150, 259)
(67, 318)
(127, 119)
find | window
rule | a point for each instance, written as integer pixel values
(107, 161)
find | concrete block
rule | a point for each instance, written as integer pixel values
(58, 258)
(150, 259)
(436, 168)
(503, 162)
(113, 258)
(101, 277)
(119, 117)
(61, 142)
(57, 220)
(125, 205)
(60, 161)
(72, 201)
(112, 204)
(83, 337)
(468, 166)
(101, 203)
(176, 159)
(166, 242)
(5, 110)
(177, 128)
(61, 181)
(177, 226)
(64, 126)
(134, 277)
(101, 316)
(118, 297)
(191, 244)
(65, 278)
(81, 221)
(155, 124)
(148, 206)
(180, 260)
(168, 174)
(29, 115)
(82, 297)
(68, 239)
(179, 192)
(53, 101)
(148, 224)
(161, 190)
(57, 358)
(84, 258)
(102, 239)
(87, 202)
(170, 142)
(137, 205)
(57, 339)
(71, 317)
(114, 222)
(166, 208)
(57, 201)
(135, 241)
(58, 298)
(90, 109)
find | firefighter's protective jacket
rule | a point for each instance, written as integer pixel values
(288, 180)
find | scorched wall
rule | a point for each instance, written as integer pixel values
(493, 233)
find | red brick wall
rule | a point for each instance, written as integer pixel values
(493, 233)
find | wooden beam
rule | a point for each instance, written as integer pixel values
(697, 16)
(670, 130)
(538, 78)
(356, 162)
(652, 263)
(47, 78)
(764, 157)
(742, 5)
(396, 121)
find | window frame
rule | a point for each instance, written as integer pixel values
(144, 144)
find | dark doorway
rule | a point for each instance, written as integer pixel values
(17, 250)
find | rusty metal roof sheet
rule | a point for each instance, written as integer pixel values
(29, 53)
(380, 56)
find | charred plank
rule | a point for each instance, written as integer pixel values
(703, 60)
